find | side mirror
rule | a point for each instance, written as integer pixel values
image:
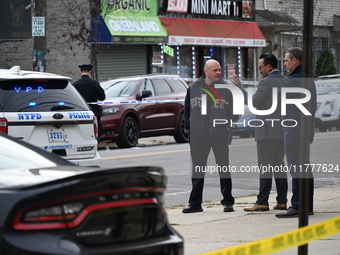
(146, 93)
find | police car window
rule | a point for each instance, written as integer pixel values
(325, 88)
(121, 89)
(39, 95)
(147, 85)
(177, 85)
(161, 87)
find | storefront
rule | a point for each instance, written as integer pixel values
(219, 29)
(178, 37)
(125, 38)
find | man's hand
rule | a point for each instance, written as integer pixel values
(236, 81)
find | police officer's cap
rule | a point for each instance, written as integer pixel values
(86, 67)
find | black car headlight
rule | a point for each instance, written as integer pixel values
(110, 111)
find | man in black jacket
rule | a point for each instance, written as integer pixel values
(269, 137)
(92, 92)
(292, 131)
(203, 104)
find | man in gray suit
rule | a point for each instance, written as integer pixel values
(269, 137)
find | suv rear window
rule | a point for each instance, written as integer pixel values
(39, 95)
(161, 87)
(177, 85)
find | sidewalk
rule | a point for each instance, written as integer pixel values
(214, 229)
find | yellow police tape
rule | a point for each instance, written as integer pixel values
(298, 237)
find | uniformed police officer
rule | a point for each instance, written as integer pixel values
(92, 92)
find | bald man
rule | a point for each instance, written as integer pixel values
(205, 136)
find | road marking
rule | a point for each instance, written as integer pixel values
(163, 152)
(323, 137)
(177, 193)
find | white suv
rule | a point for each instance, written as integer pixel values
(45, 110)
(328, 102)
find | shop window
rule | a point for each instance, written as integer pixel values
(248, 68)
(157, 63)
(186, 62)
(170, 63)
(230, 63)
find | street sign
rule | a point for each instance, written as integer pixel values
(38, 26)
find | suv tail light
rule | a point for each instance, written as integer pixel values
(95, 126)
(3, 126)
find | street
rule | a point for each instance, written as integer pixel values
(175, 159)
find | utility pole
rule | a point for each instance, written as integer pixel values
(39, 35)
(305, 123)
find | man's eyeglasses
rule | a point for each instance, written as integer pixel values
(260, 67)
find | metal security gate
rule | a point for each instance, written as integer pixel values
(115, 61)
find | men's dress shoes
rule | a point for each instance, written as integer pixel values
(257, 207)
(290, 213)
(192, 209)
(280, 207)
(228, 208)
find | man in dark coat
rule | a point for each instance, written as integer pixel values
(203, 104)
(292, 132)
(92, 92)
(269, 137)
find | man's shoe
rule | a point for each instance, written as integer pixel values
(228, 208)
(257, 207)
(192, 209)
(290, 213)
(280, 207)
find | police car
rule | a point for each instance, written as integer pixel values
(45, 110)
(327, 115)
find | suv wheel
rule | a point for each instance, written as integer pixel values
(129, 134)
(337, 125)
(323, 128)
(182, 134)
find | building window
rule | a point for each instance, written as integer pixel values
(185, 62)
(230, 63)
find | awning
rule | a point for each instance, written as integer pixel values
(213, 32)
(135, 29)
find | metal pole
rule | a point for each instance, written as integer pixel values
(39, 42)
(305, 122)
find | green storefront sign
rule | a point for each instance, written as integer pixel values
(133, 21)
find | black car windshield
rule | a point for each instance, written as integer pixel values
(121, 89)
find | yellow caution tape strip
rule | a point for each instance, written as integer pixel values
(284, 241)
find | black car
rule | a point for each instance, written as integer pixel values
(51, 206)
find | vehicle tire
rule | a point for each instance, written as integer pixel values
(337, 125)
(182, 133)
(129, 133)
(323, 129)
